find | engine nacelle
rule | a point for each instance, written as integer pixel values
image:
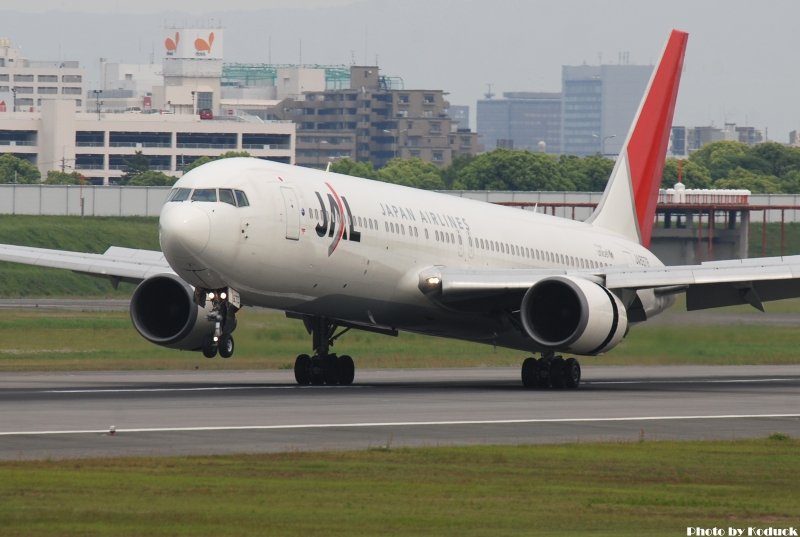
(163, 311)
(571, 314)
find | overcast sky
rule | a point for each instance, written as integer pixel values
(741, 65)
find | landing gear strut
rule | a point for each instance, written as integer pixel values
(551, 371)
(323, 367)
(223, 314)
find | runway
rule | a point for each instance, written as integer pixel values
(69, 415)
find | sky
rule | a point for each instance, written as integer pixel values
(741, 63)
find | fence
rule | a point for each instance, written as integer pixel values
(147, 201)
(73, 200)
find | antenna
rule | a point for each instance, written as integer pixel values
(488, 93)
(366, 42)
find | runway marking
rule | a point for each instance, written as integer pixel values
(691, 381)
(119, 430)
(203, 389)
(362, 386)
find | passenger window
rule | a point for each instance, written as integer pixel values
(180, 194)
(241, 199)
(226, 196)
(205, 194)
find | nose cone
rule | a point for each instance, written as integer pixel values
(185, 231)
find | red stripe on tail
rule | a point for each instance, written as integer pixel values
(647, 145)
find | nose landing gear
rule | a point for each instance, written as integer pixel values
(225, 303)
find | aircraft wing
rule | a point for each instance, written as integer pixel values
(708, 285)
(118, 264)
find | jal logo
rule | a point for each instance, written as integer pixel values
(203, 46)
(172, 44)
(337, 219)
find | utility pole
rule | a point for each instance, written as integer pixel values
(97, 101)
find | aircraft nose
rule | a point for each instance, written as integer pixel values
(185, 231)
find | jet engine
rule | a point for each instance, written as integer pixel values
(570, 314)
(163, 311)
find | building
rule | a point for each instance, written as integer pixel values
(599, 105)
(521, 120)
(687, 139)
(25, 84)
(98, 146)
(181, 125)
(374, 121)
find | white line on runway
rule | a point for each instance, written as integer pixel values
(401, 424)
(203, 389)
(691, 381)
(293, 387)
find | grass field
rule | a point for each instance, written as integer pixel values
(89, 234)
(647, 488)
(597, 489)
(49, 340)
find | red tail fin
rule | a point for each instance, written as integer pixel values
(637, 173)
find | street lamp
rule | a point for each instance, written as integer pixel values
(603, 142)
(603, 145)
(13, 99)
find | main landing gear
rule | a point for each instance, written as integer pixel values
(551, 371)
(323, 367)
(223, 315)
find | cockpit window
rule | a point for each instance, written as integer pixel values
(205, 194)
(179, 194)
(241, 199)
(226, 196)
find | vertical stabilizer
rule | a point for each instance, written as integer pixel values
(629, 201)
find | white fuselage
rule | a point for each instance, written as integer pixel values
(324, 244)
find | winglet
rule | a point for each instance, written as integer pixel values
(629, 201)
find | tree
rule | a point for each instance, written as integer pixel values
(588, 174)
(17, 170)
(720, 158)
(356, 169)
(206, 159)
(152, 178)
(693, 174)
(507, 169)
(134, 166)
(779, 159)
(55, 177)
(412, 172)
(451, 174)
(754, 182)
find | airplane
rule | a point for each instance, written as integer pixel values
(342, 253)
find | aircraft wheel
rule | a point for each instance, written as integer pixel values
(226, 346)
(317, 371)
(209, 347)
(302, 369)
(542, 373)
(557, 373)
(529, 370)
(571, 373)
(330, 368)
(347, 370)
